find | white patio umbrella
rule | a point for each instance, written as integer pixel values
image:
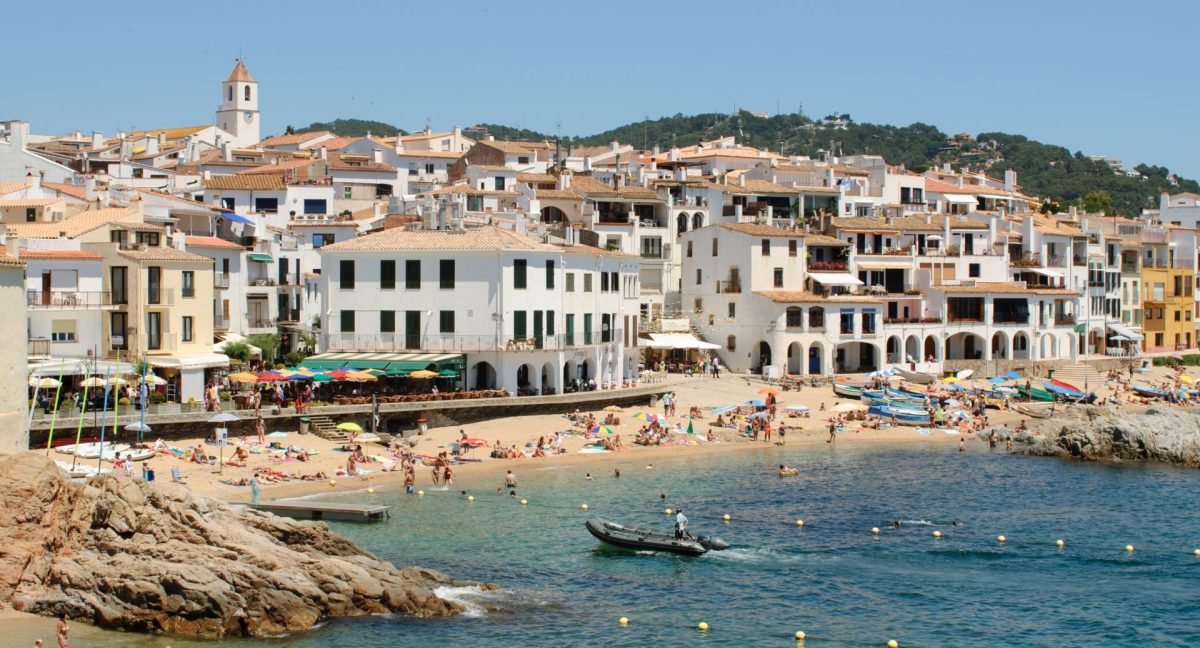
(44, 382)
(154, 379)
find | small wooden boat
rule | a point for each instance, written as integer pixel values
(1059, 390)
(903, 416)
(1034, 410)
(1033, 393)
(625, 537)
(916, 377)
(1148, 391)
(848, 389)
(902, 394)
(995, 399)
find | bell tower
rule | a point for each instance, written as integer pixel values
(238, 114)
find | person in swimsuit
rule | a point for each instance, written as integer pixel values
(61, 632)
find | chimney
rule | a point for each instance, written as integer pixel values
(30, 180)
(587, 163)
(377, 156)
(97, 139)
(656, 151)
(681, 174)
(1074, 213)
(673, 155)
(90, 187)
(619, 181)
(615, 145)
(490, 138)
(945, 167)
(152, 145)
(18, 133)
(993, 222)
(226, 151)
(323, 153)
(398, 147)
(1010, 180)
(12, 246)
(126, 148)
(564, 180)
(741, 179)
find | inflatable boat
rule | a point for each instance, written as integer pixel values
(620, 535)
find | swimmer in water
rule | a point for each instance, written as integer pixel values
(589, 477)
(616, 473)
(896, 524)
(649, 466)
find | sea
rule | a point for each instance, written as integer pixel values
(831, 577)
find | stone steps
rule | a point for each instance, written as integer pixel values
(324, 427)
(1083, 376)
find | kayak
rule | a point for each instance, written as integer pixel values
(625, 537)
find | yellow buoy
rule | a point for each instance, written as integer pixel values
(583, 506)
(702, 627)
(1001, 539)
(799, 522)
(333, 482)
(667, 511)
(1129, 548)
(800, 635)
(470, 498)
(937, 534)
(726, 517)
(420, 493)
(893, 644)
(1059, 543)
(524, 502)
(623, 621)
(370, 490)
(874, 530)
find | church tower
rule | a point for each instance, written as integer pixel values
(238, 114)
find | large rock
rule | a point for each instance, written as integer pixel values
(1105, 434)
(134, 556)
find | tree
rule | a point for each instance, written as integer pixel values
(268, 342)
(1098, 201)
(238, 350)
(290, 130)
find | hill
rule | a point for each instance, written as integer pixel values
(353, 128)
(1045, 170)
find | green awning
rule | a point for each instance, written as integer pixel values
(323, 365)
(405, 367)
(261, 258)
(448, 373)
(367, 364)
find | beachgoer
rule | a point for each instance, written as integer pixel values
(616, 473)
(962, 445)
(510, 480)
(782, 433)
(832, 431)
(448, 474)
(681, 524)
(437, 473)
(61, 632)
(254, 489)
(588, 477)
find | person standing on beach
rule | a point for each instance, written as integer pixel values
(832, 431)
(61, 632)
(782, 433)
(510, 481)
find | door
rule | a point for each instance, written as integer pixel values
(118, 328)
(412, 329)
(46, 286)
(154, 331)
(537, 328)
(283, 273)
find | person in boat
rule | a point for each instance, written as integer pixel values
(787, 471)
(681, 524)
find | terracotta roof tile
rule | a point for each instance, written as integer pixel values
(805, 297)
(74, 191)
(537, 178)
(410, 153)
(555, 194)
(464, 189)
(211, 242)
(756, 229)
(10, 261)
(79, 255)
(81, 223)
(905, 223)
(483, 238)
(516, 148)
(335, 143)
(294, 138)
(28, 202)
(164, 254)
(253, 182)
(240, 73)
(1007, 288)
(9, 187)
(281, 167)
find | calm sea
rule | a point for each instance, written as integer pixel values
(830, 578)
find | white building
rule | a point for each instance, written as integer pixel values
(65, 299)
(517, 314)
(14, 394)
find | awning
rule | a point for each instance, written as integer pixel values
(260, 257)
(1126, 331)
(835, 278)
(395, 364)
(678, 341)
(235, 218)
(198, 361)
(960, 199)
(1045, 272)
(80, 367)
(322, 365)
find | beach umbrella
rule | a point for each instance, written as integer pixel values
(350, 427)
(297, 376)
(360, 376)
(647, 417)
(768, 390)
(798, 409)
(949, 380)
(758, 415)
(268, 376)
(423, 373)
(996, 380)
(117, 382)
(243, 377)
(94, 381)
(755, 402)
(724, 408)
(224, 417)
(845, 408)
(953, 403)
(691, 430)
(320, 378)
(614, 408)
(140, 428)
(153, 379)
(1012, 375)
(601, 429)
(44, 383)
(1187, 379)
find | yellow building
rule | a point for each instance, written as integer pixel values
(1167, 300)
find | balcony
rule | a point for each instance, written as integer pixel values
(39, 347)
(1064, 320)
(289, 316)
(162, 298)
(259, 322)
(67, 300)
(220, 281)
(220, 323)
(656, 254)
(1130, 268)
(259, 284)
(729, 286)
(1079, 260)
(453, 343)
(912, 320)
(1027, 260)
(827, 266)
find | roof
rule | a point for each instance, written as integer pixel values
(483, 238)
(516, 148)
(537, 178)
(821, 239)
(451, 155)
(555, 194)
(590, 186)
(29, 202)
(366, 165)
(294, 138)
(9, 187)
(81, 223)
(282, 166)
(938, 186)
(335, 143)
(74, 255)
(170, 134)
(252, 182)
(906, 223)
(753, 186)
(805, 297)
(164, 254)
(756, 229)
(322, 223)
(240, 73)
(211, 242)
(10, 261)
(74, 191)
(468, 190)
(1007, 288)
(500, 168)
(1050, 225)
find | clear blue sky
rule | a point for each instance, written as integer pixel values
(1105, 77)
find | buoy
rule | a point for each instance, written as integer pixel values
(370, 490)
(702, 627)
(1059, 543)
(874, 530)
(667, 511)
(1129, 548)
(623, 621)
(726, 517)
(937, 534)
(800, 635)
(1001, 539)
(799, 523)
(524, 502)
(333, 482)
(470, 498)
(892, 644)
(583, 506)
(1196, 553)
(420, 493)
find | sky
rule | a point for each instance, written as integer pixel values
(1106, 77)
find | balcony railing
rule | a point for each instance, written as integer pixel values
(220, 280)
(729, 286)
(1028, 260)
(1079, 260)
(827, 266)
(67, 299)
(912, 320)
(39, 346)
(454, 343)
(1129, 268)
(1064, 320)
(289, 316)
(260, 282)
(259, 322)
(221, 323)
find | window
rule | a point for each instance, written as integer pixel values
(30, 214)
(189, 283)
(499, 183)
(149, 239)
(116, 283)
(613, 281)
(228, 203)
(1176, 316)
(519, 328)
(732, 310)
(972, 269)
(412, 275)
(779, 277)
(731, 343)
(346, 274)
(603, 282)
(387, 321)
(698, 305)
(699, 276)
(387, 274)
(793, 248)
(314, 206)
(549, 275)
(347, 193)
(230, 93)
(523, 159)
(570, 332)
(689, 249)
(321, 240)
(714, 247)
(520, 274)
(247, 92)
(587, 282)
(412, 329)
(446, 321)
(63, 330)
(446, 274)
(549, 323)
(154, 331)
(766, 247)
(570, 282)
(188, 328)
(347, 323)
(266, 205)
(154, 285)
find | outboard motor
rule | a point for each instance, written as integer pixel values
(712, 544)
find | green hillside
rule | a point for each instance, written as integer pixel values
(352, 128)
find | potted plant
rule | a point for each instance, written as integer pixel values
(191, 405)
(155, 402)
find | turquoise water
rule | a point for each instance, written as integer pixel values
(830, 578)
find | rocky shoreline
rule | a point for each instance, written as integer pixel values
(124, 554)
(1106, 434)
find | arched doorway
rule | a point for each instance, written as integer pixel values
(681, 223)
(912, 348)
(964, 346)
(1020, 346)
(585, 370)
(816, 359)
(795, 356)
(553, 215)
(548, 375)
(999, 346)
(931, 349)
(524, 376)
(485, 376)
(761, 356)
(893, 350)
(697, 220)
(856, 357)
(569, 374)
